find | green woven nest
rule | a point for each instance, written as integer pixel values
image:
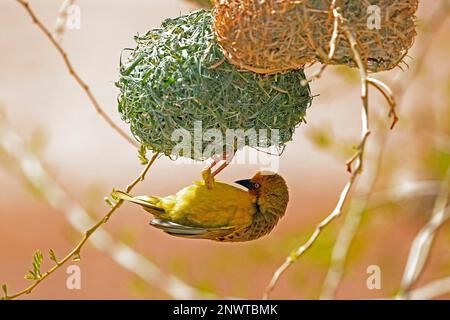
(177, 75)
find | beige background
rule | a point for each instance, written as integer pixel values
(88, 160)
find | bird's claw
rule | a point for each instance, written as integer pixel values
(208, 178)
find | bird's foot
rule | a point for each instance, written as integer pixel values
(207, 173)
(208, 178)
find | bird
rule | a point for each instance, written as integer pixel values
(218, 211)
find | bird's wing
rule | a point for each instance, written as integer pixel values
(222, 205)
(184, 231)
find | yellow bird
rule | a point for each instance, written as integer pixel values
(219, 211)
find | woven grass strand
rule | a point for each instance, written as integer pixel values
(177, 75)
(273, 36)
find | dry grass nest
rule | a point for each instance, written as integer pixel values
(278, 35)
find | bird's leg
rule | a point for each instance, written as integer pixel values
(207, 173)
(226, 157)
(219, 169)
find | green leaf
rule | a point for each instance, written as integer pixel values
(108, 201)
(113, 196)
(76, 257)
(37, 261)
(53, 256)
(142, 155)
(30, 276)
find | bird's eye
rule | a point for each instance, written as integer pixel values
(256, 185)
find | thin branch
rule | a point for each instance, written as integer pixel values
(431, 290)
(34, 173)
(389, 96)
(360, 205)
(332, 52)
(421, 246)
(348, 231)
(75, 75)
(338, 256)
(355, 165)
(87, 234)
(423, 188)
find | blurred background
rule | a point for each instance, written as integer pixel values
(46, 118)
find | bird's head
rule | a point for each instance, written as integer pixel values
(271, 192)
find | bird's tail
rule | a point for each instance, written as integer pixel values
(144, 202)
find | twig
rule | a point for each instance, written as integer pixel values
(340, 249)
(87, 234)
(34, 172)
(424, 188)
(419, 252)
(421, 246)
(358, 207)
(389, 96)
(348, 231)
(355, 165)
(75, 75)
(431, 290)
(332, 52)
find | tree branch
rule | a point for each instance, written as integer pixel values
(421, 246)
(354, 165)
(10, 143)
(417, 188)
(431, 290)
(75, 75)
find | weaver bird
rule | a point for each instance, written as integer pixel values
(219, 211)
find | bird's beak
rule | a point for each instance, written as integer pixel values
(245, 183)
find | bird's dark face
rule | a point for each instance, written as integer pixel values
(252, 185)
(264, 183)
(271, 192)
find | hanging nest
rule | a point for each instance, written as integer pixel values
(278, 35)
(177, 75)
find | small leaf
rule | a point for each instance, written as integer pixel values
(37, 261)
(142, 155)
(76, 257)
(108, 201)
(53, 256)
(30, 276)
(112, 195)
(5, 291)
(114, 198)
